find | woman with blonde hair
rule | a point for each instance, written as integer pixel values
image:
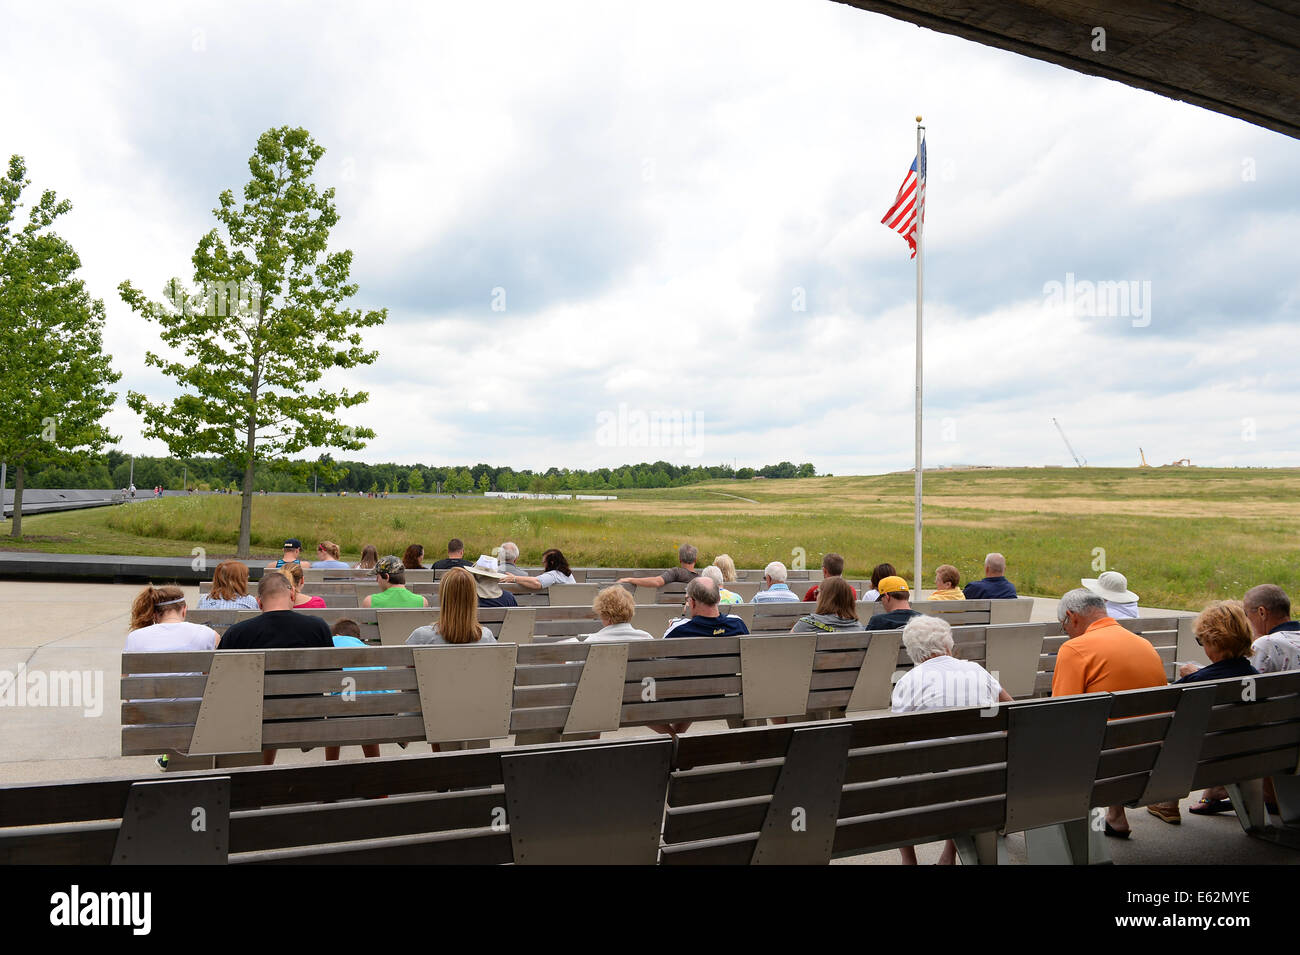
(158, 624)
(301, 601)
(457, 613)
(229, 588)
(329, 556)
(725, 564)
(369, 557)
(1224, 633)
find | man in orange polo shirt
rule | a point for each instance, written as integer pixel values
(1102, 657)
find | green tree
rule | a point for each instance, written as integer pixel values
(55, 377)
(262, 326)
(415, 481)
(484, 484)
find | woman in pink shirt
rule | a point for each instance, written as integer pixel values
(301, 601)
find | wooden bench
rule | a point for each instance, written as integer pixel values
(288, 698)
(792, 794)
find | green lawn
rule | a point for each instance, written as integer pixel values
(1182, 536)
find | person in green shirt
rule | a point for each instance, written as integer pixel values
(390, 573)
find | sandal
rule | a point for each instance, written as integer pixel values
(1171, 816)
(1210, 807)
(1116, 833)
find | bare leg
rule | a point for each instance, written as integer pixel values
(268, 757)
(949, 854)
(369, 750)
(909, 855)
(331, 753)
(1117, 818)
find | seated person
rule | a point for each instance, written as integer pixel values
(1100, 656)
(158, 624)
(938, 680)
(614, 608)
(879, 573)
(946, 580)
(457, 613)
(725, 596)
(277, 626)
(229, 588)
(488, 587)
(703, 617)
(1277, 647)
(302, 601)
(704, 620)
(995, 585)
(725, 564)
(413, 557)
(1224, 632)
(292, 555)
(390, 575)
(836, 609)
(896, 599)
(1112, 587)
(327, 553)
(775, 589)
(555, 570)
(683, 573)
(832, 566)
(347, 633)
(455, 556)
(509, 559)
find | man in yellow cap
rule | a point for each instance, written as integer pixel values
(897, 602)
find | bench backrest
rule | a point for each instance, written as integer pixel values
(855, 785)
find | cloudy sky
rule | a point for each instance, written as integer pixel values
(656, 188)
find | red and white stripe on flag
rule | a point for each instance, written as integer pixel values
(907, 213)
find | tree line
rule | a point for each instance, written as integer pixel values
(114, 469)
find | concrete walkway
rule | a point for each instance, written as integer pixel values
(82, 627)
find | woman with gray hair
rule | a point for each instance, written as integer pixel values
(938, 680)
(725, 596)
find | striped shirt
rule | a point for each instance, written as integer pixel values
(246, 602)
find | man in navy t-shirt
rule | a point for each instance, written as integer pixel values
(704, 619)
(995, 585)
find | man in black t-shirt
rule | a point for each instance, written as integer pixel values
(455, 556)
(278, 625)
(898, 607)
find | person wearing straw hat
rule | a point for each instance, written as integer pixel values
(1112, 587)
(488, 586)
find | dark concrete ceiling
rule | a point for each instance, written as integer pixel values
(1239, 57)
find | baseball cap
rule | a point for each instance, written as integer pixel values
(390, 565)
(293, 543)
(891, 585)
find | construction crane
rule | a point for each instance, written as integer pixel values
(1144, 459)
(1077, 460)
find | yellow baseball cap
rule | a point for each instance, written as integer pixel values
(891, 585)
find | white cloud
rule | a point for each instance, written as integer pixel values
(651, 183)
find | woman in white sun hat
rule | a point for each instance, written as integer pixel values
(1112, 587)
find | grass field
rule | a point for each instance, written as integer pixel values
(1182, 536)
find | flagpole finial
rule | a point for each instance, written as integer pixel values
(918, 119)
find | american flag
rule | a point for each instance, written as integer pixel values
(907, 214)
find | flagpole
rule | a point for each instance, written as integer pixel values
(920, 255)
